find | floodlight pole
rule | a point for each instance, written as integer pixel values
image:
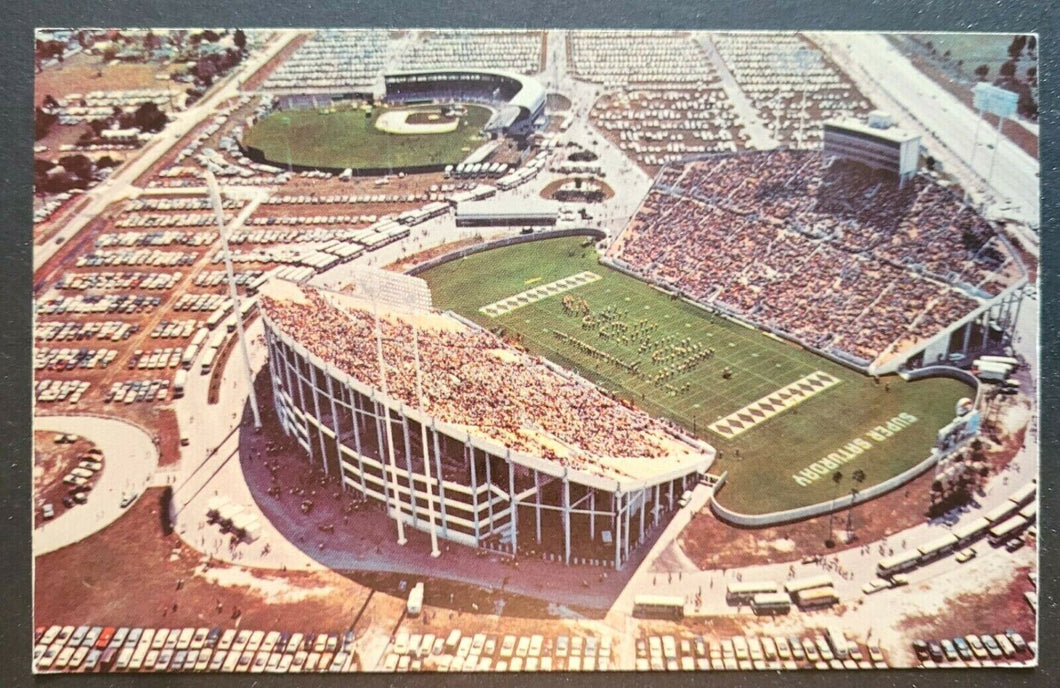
(997, 143)
(423, 441)
(373, 291)
(215, 200)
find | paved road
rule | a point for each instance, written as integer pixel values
(129, 458)
(881, 70)
(121, 184)
(761, 138)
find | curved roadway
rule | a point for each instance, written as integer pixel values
(130, 457)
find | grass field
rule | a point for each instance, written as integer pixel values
(346, 138)
(762, 460)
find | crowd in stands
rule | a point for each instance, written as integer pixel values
(470, 378)
(790, 83)
(827, 251)
(618, 58)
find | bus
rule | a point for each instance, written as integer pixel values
(1001, 512)
(179, 381)
(217, 316)
(937, 547)
(1003, 360)
(1023, 495)
(971, 531)
(189, 355)
(200, 336)
(741, 593)
(1030, 512)
(207, 361)
(771, 603)
(659, 607)
(838, 641)
(1002, 532)
(821, 581)
(824, 596)
(903, 561)
(415, 603)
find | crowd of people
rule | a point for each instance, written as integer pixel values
(825, 250)
(473, 379)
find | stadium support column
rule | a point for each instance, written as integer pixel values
(625, 529)
(967, 336)
(391, 469)
(616, 499)
(356, 413)
(643, 508)
(319, 423)
(537, 502)
(474, 489)
(489, 490)
(335, 429)
(655, 505)
(513, 505)
(441, 482)
(1016, 317)
(380, 433)
(566, 518)
(423, 444)
(408, 465)
(592, 514)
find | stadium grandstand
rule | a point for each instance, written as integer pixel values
(519, 101)
(485, 445)
(830, 253)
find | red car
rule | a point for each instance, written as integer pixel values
(105, 638)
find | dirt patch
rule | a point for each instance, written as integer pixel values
(990, 611)
(557, 102)
(82, 73)
(51, 463)
(408, 262)
(580, 190)
(429, 117)
(132, 574)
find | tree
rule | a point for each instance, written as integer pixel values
(1015, 49)
(149, 117)
(1032, 73)
(858, 477)
(1008, 69)
(1032, 42)
(981, 71)
(80, 166)
(43, 122)
(836, 478)
(240, 40)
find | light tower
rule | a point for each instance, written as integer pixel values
(215, 200)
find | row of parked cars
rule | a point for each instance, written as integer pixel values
(482, 652)
(111, 649)
(68, 331)
(130, 391)
(826, 650)
(985, 647)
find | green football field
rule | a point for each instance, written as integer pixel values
(762, 460)
(343, 137)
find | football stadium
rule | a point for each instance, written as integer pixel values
(505, 350)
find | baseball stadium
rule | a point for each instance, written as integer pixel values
(421, 121)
